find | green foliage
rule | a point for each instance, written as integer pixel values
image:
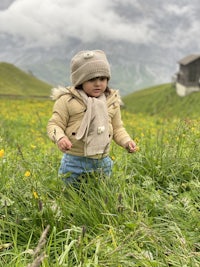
(163, 101)
(146, 214)
(16, 82)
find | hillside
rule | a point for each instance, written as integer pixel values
(158, 100)
(14, 81)
(163, 100)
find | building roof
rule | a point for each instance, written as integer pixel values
(188, 59)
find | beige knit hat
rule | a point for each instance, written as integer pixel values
(86, 65)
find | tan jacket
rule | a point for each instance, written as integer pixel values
(68, 112)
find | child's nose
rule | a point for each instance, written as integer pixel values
(97, 80)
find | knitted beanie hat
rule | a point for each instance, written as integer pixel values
(86, 65)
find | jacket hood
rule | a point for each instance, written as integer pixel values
(70, 90)
(60, 90)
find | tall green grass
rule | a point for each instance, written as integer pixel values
(146, 214)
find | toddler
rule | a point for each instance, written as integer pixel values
(86, 118)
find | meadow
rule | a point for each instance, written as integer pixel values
(146, 214)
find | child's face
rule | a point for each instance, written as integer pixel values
(95, 87)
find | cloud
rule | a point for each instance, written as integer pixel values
(4, 4)
(48, 23)
(179, 10)
(177, 25)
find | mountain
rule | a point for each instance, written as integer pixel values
(133, 67)
(16, 82)
(162, 100)
(159, 100)
(143, 40)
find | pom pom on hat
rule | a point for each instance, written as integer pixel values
(86, 65)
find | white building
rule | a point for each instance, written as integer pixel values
(187, 79)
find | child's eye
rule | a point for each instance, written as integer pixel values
(102, 78)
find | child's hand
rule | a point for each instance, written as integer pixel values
(131, 146)
(64, 144)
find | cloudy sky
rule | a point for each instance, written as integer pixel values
(144, 38)
(47, 23)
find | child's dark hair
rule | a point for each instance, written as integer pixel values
(107, 91)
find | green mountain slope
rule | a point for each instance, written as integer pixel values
(14, 81)
(158, 100)
(163, 100)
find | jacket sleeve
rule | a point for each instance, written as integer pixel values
(120, 135)
(58, 122)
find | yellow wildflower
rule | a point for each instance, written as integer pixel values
(2, 153)
(33, 146)
(27, 174)
(137, 148)
(35, 194)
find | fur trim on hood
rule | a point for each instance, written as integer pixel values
(58, 92)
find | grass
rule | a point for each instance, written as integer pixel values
(162, 100)
(146, 214)
(16, 82)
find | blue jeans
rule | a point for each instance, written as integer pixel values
(73, 167)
